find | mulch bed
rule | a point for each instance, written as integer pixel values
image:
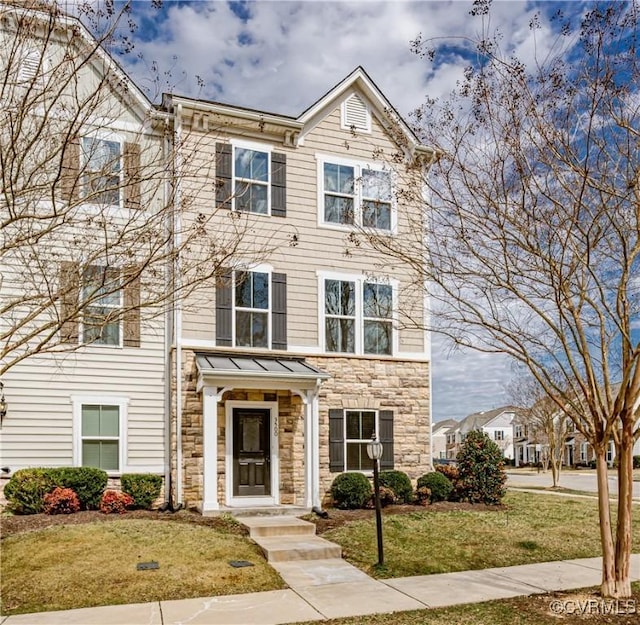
(17, 524)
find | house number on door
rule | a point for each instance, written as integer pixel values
(275, 426)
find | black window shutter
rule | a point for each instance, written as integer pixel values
(386, 438)
(224, 310)
(279, 310)
(224, 193)
(336, 440)
(278, 184)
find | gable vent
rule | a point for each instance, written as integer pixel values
(29, 66)
(355, 114)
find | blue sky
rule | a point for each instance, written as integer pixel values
(282, 56)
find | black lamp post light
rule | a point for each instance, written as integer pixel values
(374, 451)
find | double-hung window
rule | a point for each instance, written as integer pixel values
(102, 294)
(251, 309)
(101, 170)
(251, 181)
(360, 425)
(358, 316)
(498, 435)
(100, 436)
(377, 311)
(355, 194)
(340, 316)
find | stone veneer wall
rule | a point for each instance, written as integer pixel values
(366, 383)
(359, 383)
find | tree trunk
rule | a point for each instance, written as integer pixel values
(625, 506)
(608, 585)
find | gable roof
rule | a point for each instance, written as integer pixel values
(443, 426)
(359, 81)
(99, 59)
(293, 129)
(478, 420)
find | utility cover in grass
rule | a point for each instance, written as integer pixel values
(238, 564)
(147, 566)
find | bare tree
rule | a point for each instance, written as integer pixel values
(548, 426)
(534, 241)
(93, 235)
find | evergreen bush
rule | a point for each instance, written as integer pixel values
(143, 487)
(87, 482)
(351, 491)
(439, 485)
(26, 489)
(400, 483)
(481, 469)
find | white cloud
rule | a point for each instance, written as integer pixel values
(283, 56)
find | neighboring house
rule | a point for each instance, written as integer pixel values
(496, 424)
(439, 438)
(101, 400)
(293, 363)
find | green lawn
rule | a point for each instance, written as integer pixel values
(75, 566)
(531, 528)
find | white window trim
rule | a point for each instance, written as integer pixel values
(356, 440)
(359, 166)
(120, 307)
(256, 147)
(274, 498)
(104, 135)
(102, 400)
(255, 269)
(359, 280)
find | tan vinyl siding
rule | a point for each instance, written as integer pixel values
(38, 428)
(318, 248)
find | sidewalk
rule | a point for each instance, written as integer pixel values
(323, 591)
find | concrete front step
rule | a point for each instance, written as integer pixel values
(289, 548)
(278, 526)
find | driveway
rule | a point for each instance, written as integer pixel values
(575, 480)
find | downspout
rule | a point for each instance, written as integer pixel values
(168, 329)
(178, 303)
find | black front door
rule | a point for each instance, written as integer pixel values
(251, 452)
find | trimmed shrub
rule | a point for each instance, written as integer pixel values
(399, 483)
(351, 491)
(387, 498)
(439, 485)
(61, 501)
(114, 501)
(143, 487)
(87, 482)
(481, 467)
(452, 473)
(636, 462)
(26, 489)
(423, 496)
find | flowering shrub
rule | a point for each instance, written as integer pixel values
(114, 501)
(61, 501)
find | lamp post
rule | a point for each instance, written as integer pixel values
(374, 451)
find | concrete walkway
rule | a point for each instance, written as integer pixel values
(321, 589)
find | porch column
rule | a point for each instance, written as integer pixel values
(210, 398)
(315, 419)
(308, 450)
